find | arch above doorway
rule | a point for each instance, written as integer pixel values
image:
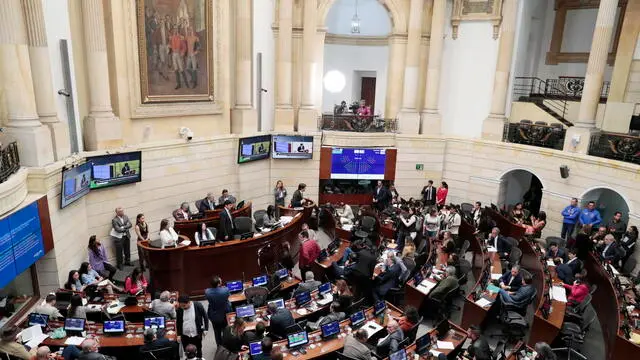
(608, 200)
(520, 185)
(394, 7)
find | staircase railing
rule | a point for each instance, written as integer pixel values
(534, 89)
(572, 86)
(9, 160)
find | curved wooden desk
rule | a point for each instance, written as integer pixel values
(188, 269)
(212, 219)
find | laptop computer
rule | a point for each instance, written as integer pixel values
(113, 327)
(297, 341)
(255, 348)
(282, 273)
(330, 330)
(38, 319)
(247, 311)
(423, 344)
(235, 286)
(261, 280)
(303, 298)
(325, 294)
(379, 308)
(357, 319)
(33, 336)
(154, 322)
(74, 326)
(398, 355)
(279, 303)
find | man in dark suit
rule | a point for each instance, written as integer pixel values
(191, 323)
(391, 343)
(388, 279)
(555, 252)
(609, 250)
(479, 348)
(280, 320)
(520, 298)
(120, 227)
(567, 271)
(499, 243)
(208, 203)
(429, 194)
(381, 196)
(511, 280)
(309, 284)
(219, 305)
(227, 227)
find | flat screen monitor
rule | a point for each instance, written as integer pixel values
(292, 147)
(282, 273)
(245, 311)
(74, 324)
(357, 318)
(235, 286)
(254, 148)
(423, 344)
(379, 307)
(154, 322)
(38, 319)
(260, 280)
(303, 298)
(297, 339)
(279, 303)
(255, 348)
(113, 327)
(443, 328)
(115, 169)
(75, 183)
(417, 279)
(324, 288)
(330, 329)
(398, 355)
(358, 164)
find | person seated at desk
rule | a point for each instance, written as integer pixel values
(155, 340)
(182, 213)
(343, 295)
(89, 277)
(555, 252)
(73, 281)
(204, 234)
(269, 217)
(448, 244)
(266, 345)
(388, 279)
(355, 346)
(444, 286)
(9, 344)
(280, 320)
(499, 243)
(135, 283)
(90, 348)
(391, 342)
(48, 307)
(257, 334)
(345, 214)
(479, 348)
(207, 204)
(567, 270)
(609, 250)
(544, 352)
(76, 309)
(168, 236)
(579, 291)
(163, 307)
(226, 197)
(334, 315)
(191, 353)
(522, 297)
(511, 280)
(233, 336)
(309, 284)
(409, 319)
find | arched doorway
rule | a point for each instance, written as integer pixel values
(523, 186)
(607, 201)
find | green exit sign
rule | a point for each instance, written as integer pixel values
(419, 166)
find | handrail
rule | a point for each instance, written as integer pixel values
(616, 146)
(9, 160)
(534, 89)
(525, 132)
(357, 123)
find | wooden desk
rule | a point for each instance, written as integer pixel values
(144, 302)
(321, 268)
(472, 313)
(212, 219)
(285, 284)
(450, 337)
(184, 269)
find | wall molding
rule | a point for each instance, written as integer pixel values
(476, 10)
(13, 191)
(340, 39)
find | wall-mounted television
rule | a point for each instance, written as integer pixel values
(115, 169)
(292, 147)
(254, 148)
(358, 164)
(75, 183)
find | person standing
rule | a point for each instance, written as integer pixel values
(616, 226)
(309, 252)
(178, 50)
(120, 227)
(191, 323)
(569, 218)
(441, 194)
(227, 227)
(429, 194)
(279, 194)
(298, 199)
(218, 297)
(142, 233)
(590, 216)
(381, 196)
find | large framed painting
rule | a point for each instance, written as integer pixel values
(175, 47)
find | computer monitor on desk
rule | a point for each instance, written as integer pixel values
(247, 311)
(324, 288)
(303, 298)
(74, 324)
(38, 319)
(423, 344)
(398, 355)
(113, 327)
(330, 330)
(261, 280)
(255, 348)
(297, 339)
(279, 303)
(282, 273)
(235, 286)
(379, 307)
(154, 322)
(357, 319)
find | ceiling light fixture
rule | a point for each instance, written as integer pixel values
(355, 22)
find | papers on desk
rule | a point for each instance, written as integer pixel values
(74, 340)
(328, 298)
(492, 288)
(614, 271)
(445, 345)
(550, 262)
(114, 308)
(491, 249)
(482, 302)
(185, 242)
(85, 301)
(285, 220)
(435, 353)
(558, 293)
(635, 338)
(371, 327)
(426, 286)
(496, 276)
(33, 336)
(302, 311)
(347, 227)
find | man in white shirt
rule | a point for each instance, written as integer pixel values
(49, 308)
(453, 222)
(477, 213)
(120, 226)
(346, 214)
(191, 323)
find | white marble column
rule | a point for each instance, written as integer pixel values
(431, 118)
(284, 120)
(43, 84)
(244, 118)
(409, 119)
(493, 126)
(308, 115)
(585, 125)
(395, 75)
(16, 85)
(102, 129)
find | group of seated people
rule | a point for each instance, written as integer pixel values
(208, 203)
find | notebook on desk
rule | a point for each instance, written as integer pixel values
(426, 286)
(33, 336)
(371, 327)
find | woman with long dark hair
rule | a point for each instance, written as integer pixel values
(135, 283)
(98, 259)
(142, 232)
(76, 309)
(269, 217)
(88, 277)
(73, 281)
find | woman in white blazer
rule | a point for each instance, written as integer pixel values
(168, 236)
(204, 234)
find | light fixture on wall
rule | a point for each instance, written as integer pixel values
(355, 21)
(334, 81)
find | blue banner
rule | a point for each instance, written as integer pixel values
(7, 268)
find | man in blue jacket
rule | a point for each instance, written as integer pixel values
(570, 217)
(219, 305)
(590, 216)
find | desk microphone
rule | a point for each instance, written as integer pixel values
(243, 277)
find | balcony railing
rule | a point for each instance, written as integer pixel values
(525, 132)
(357, 123)
(9, 160)
(616, 146)
(571, 87)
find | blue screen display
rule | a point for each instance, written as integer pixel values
(234, 286)
(38, 319)
(255, 348)
(303, 298)
(75, 183)
(357, 318)
(379, 307)
(358, 164)
(73, 324)
(279, 303)
(260, 280)
(154, 322)
(330, 329)
(245, 311)
(113, 326)
(398, 355)
(324, 288)
(282, 273)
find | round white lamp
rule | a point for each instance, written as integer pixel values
(334, 81)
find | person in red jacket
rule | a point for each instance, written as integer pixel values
(579, 291)
(309, 251)
(135, 283)
(441, 194)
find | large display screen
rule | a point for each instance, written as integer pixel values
(254, 148)
(115, 169)
(75, 183)
(357, 164)
(21, 242)
(292, 147)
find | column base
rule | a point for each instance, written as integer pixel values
(431, 122)
(283, 120)
(307, 119)
(493, 127)
(34, 144)
(244, 121)
(582, 137)
(60, 139)
(102, 132)
(408, 122)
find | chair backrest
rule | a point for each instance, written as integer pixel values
(466, 207)
(525, 121)
(629, 265)
(198, 202)
(243, 224)
(515, 256)
(258, 216)
(257, 295)
(355, 306)
(166, 353)
(268, 258)
(588, 319)
(368, 223)
(465, 266)
(214, 231)
(580, 309)
(513, 242)
(403, 343)
(451, 294)
(342, 356)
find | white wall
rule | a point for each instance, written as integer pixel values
(263, 42)
(374, 18)
(350, 59)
